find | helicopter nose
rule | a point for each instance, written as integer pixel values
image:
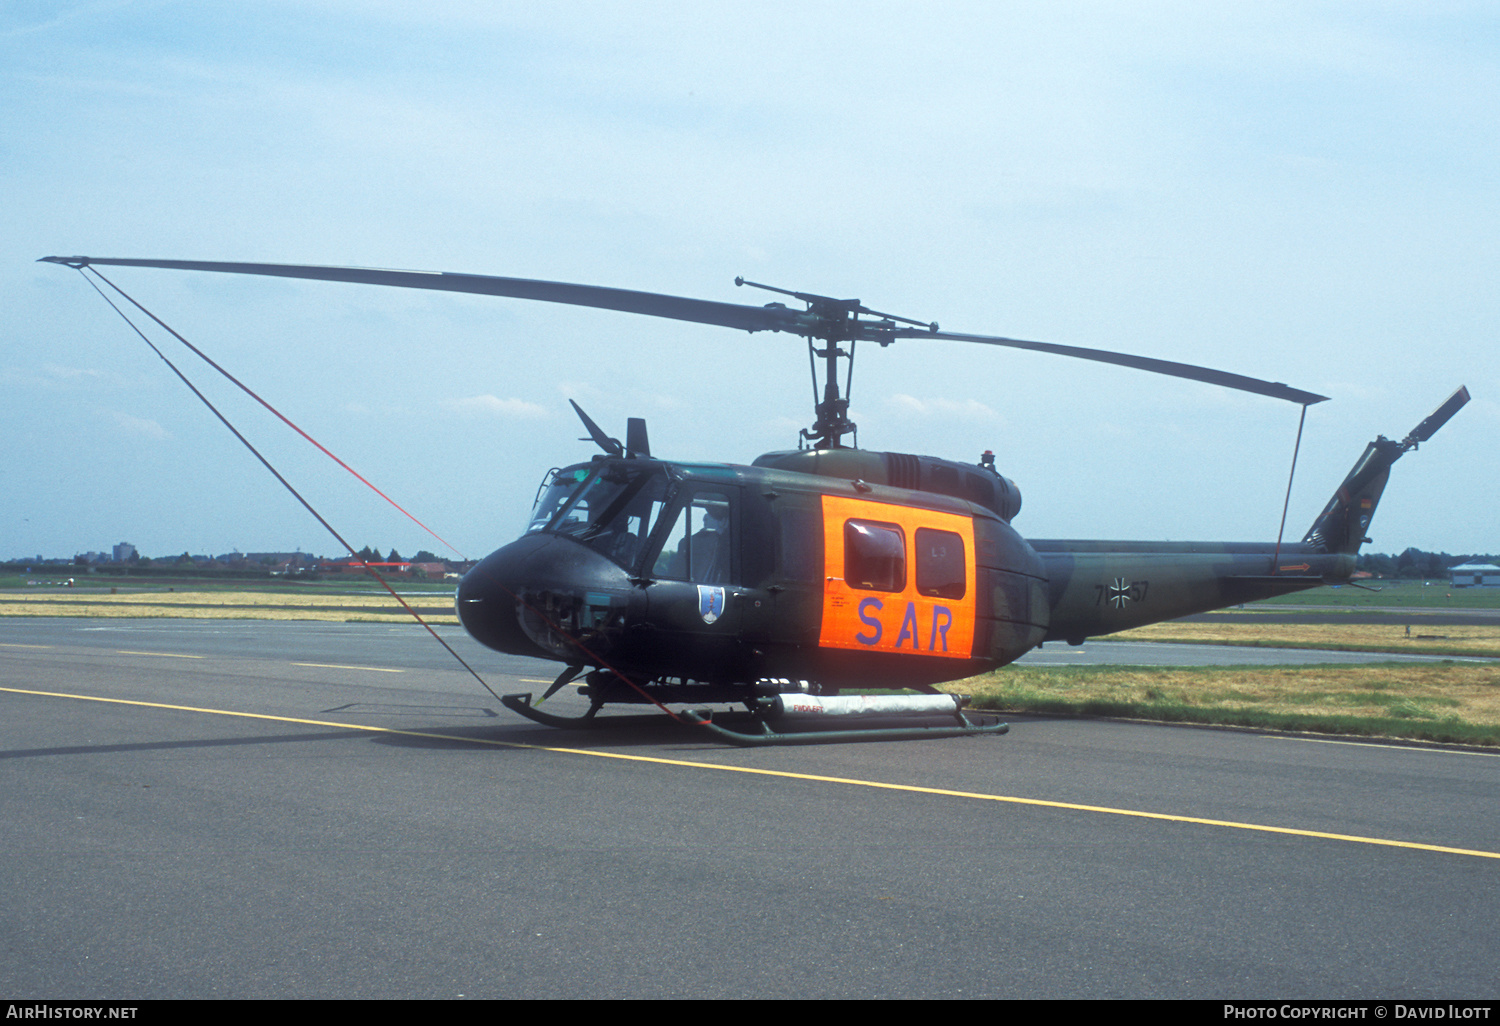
(488, 602)
(532, 597)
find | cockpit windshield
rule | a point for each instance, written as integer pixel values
(612, 510)
(555, 490)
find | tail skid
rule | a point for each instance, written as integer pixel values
(1341, 527)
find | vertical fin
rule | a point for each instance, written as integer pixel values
(1341, 526)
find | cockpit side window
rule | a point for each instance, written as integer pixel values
(699, 546)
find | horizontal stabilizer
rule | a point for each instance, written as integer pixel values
(1279, 579)
(1242, 588)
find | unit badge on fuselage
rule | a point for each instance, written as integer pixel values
(710, 602)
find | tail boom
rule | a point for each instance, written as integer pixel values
(1100, 587)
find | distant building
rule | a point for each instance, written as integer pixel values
(281, 559)
(124, 552)
(358, 566)
(1476, 575)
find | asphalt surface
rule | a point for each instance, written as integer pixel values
(206, 816)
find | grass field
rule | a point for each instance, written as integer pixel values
(1483, 640)
(92, 584)
(1440, 701)
(1434, 595)
(296, 603)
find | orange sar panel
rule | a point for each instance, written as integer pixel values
(899, 621)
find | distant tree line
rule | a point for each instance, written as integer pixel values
(304, 565)
(369, 555)
(1417, 563)
(1414, 563)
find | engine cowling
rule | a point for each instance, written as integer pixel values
(977, 484)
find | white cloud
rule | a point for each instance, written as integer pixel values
(492, 406)
(57, 371)
(139, 427)
(963, 409)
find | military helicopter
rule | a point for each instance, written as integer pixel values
(828, 568)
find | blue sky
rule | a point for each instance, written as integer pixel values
(1300, 192)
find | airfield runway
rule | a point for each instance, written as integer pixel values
(264, 809)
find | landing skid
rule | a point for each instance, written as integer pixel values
(522, 704)
(767, 736)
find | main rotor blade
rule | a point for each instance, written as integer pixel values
(729, 315)
(1274, 389)
(652, 304)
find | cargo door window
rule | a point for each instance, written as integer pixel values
(874, 556)
(940, 564)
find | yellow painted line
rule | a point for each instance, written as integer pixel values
(784, 774)
(8, 644)
(340, 666)
(164, 655)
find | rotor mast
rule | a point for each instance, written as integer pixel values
(833, 321)
(832, 421)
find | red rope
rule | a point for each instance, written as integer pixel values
(600, 661)
(277, 413)
(275, 473)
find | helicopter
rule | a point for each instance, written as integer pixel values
(811, 572)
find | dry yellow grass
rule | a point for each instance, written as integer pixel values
(1464, 640)
(1468, 692)
(221, 605)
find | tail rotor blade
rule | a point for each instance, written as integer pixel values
(1440, 416)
